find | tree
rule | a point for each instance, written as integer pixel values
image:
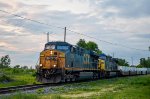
(93, 46)
(5, 61)
(122, 62)
(144, 62)
(25, 67)
(17, 66)
(89, 45)
(82, 43)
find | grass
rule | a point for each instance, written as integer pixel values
(137, 87)
(16, 77)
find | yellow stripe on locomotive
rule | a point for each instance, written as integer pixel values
(101, 64)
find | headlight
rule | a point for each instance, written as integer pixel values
(51, 52)
(40, 64)
(54, 65)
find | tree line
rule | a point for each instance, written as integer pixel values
(144, 62)
(5, 63)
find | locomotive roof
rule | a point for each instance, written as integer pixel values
(58, 43)
(67, 44)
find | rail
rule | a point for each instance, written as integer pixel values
(24, 87)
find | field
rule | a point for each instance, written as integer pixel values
(135, 87)
(16, 76)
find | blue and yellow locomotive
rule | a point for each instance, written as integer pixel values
(62, 62)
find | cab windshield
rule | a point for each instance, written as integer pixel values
(50, 47)
(63, 47)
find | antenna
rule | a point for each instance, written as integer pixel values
(65, 35)
(47, 37)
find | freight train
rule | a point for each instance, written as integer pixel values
(63, 62)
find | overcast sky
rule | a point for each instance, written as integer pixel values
(125, 22)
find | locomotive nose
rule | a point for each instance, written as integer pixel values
(51, 59)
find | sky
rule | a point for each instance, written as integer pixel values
(122, 22)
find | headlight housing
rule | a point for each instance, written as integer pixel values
(40, 64)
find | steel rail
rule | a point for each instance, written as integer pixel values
(24, 87)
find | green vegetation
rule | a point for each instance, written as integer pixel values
(4, 78)
(15, 76)
(5, 61)
(122, 62)
(89, 46)
(135, 87)
(40, 91)
(144, 62)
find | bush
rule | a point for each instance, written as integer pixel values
(34, 74)
(17, 70)
(4, 78)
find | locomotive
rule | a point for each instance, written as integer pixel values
(63, 62)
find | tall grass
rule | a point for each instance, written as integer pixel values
(17, 76)
(136, 87)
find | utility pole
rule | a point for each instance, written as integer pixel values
(65, 35)
(47, 37)
(113, 54)
(132, 60)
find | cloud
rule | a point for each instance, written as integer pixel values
(129, 9)
(122, 22)
(74, 6)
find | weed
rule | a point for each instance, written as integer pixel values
(4, 78)
(40, 91)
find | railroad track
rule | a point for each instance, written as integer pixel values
(36, 86)
(24, 87)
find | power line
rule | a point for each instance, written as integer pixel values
(107, 41)
(73, 31)
(30, 19)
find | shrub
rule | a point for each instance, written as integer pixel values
(34, 74)
(4, 78)
(40, 90)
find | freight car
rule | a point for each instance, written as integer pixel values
(62, 62)
(126, 71)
